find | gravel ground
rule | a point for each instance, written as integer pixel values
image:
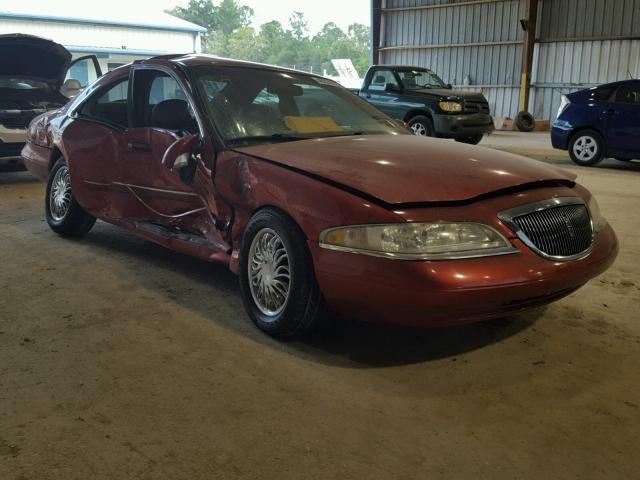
(122, 360)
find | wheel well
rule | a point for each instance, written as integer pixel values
(577, 130)
(281, 211)
(414, 113)
(55, 155)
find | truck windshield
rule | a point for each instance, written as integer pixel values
(250, 105)
(418, 79)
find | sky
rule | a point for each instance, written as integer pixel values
(317, 12)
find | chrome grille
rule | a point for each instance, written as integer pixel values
(559, 228)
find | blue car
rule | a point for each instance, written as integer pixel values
(600, 122)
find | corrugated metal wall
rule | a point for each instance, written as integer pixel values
(583, 43)
(482, 40)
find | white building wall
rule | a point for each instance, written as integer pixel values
(90, 36)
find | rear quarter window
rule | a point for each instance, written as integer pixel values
(602, 94)
(109, 106)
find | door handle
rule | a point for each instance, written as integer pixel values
(610, 112)
(139, 146)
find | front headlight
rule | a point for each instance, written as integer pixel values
(599, 222)
(450, 106)
(418, 241)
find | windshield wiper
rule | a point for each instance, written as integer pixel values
(276, 137)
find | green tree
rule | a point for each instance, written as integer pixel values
(219, 20)
(244, 44)
(229, 34)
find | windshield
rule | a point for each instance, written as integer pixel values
(417, 79)
(249, 105)
(21, 83)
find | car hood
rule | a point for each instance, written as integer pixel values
(406, 169)
(33, 57)
(445, 92)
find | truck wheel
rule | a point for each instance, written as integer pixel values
(64, 214)
(471, 140)
(421, 126)
(586, 148)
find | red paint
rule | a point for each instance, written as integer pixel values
(406, 168)
(117, 175)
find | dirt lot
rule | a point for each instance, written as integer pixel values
(122, 360)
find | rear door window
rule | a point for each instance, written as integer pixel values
(629, 94)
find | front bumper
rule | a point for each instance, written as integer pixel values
(11, 143)
(453, 291)
(463, 125)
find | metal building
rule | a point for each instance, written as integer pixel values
(484, 45)
(116, 37)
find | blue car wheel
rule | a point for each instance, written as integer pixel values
(586, 148)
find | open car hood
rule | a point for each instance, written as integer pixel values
(28, 56)
(406, 169)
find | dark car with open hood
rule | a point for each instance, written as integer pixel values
(32, 81)
(317, 200)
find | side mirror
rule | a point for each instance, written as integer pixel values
(449, 86)
(178, 155)
(391, 87)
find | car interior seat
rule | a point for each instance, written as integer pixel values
(174, 115)
(71, 88)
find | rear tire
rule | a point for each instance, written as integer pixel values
(471, 140)
(421, 126)
(64, 214)
(277, 278)
(586, 148)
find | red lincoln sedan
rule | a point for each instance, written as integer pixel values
(313, 197)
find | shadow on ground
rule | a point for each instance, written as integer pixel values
(202, 287)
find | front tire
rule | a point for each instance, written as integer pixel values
(64, 214)
(471, 140)
(277, 279)
(421, 126)
(586, 148)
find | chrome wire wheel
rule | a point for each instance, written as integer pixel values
(60, 194)
(269, 272)
(585, 148)
(419, 129)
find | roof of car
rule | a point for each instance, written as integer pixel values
(402, 67)
(193, 60)
(618, 83)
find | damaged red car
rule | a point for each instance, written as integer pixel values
(313, 197)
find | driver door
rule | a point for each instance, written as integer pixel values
(378, 96)
(170, 203)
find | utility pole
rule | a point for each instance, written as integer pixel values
(529, 24)
(376, 21)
